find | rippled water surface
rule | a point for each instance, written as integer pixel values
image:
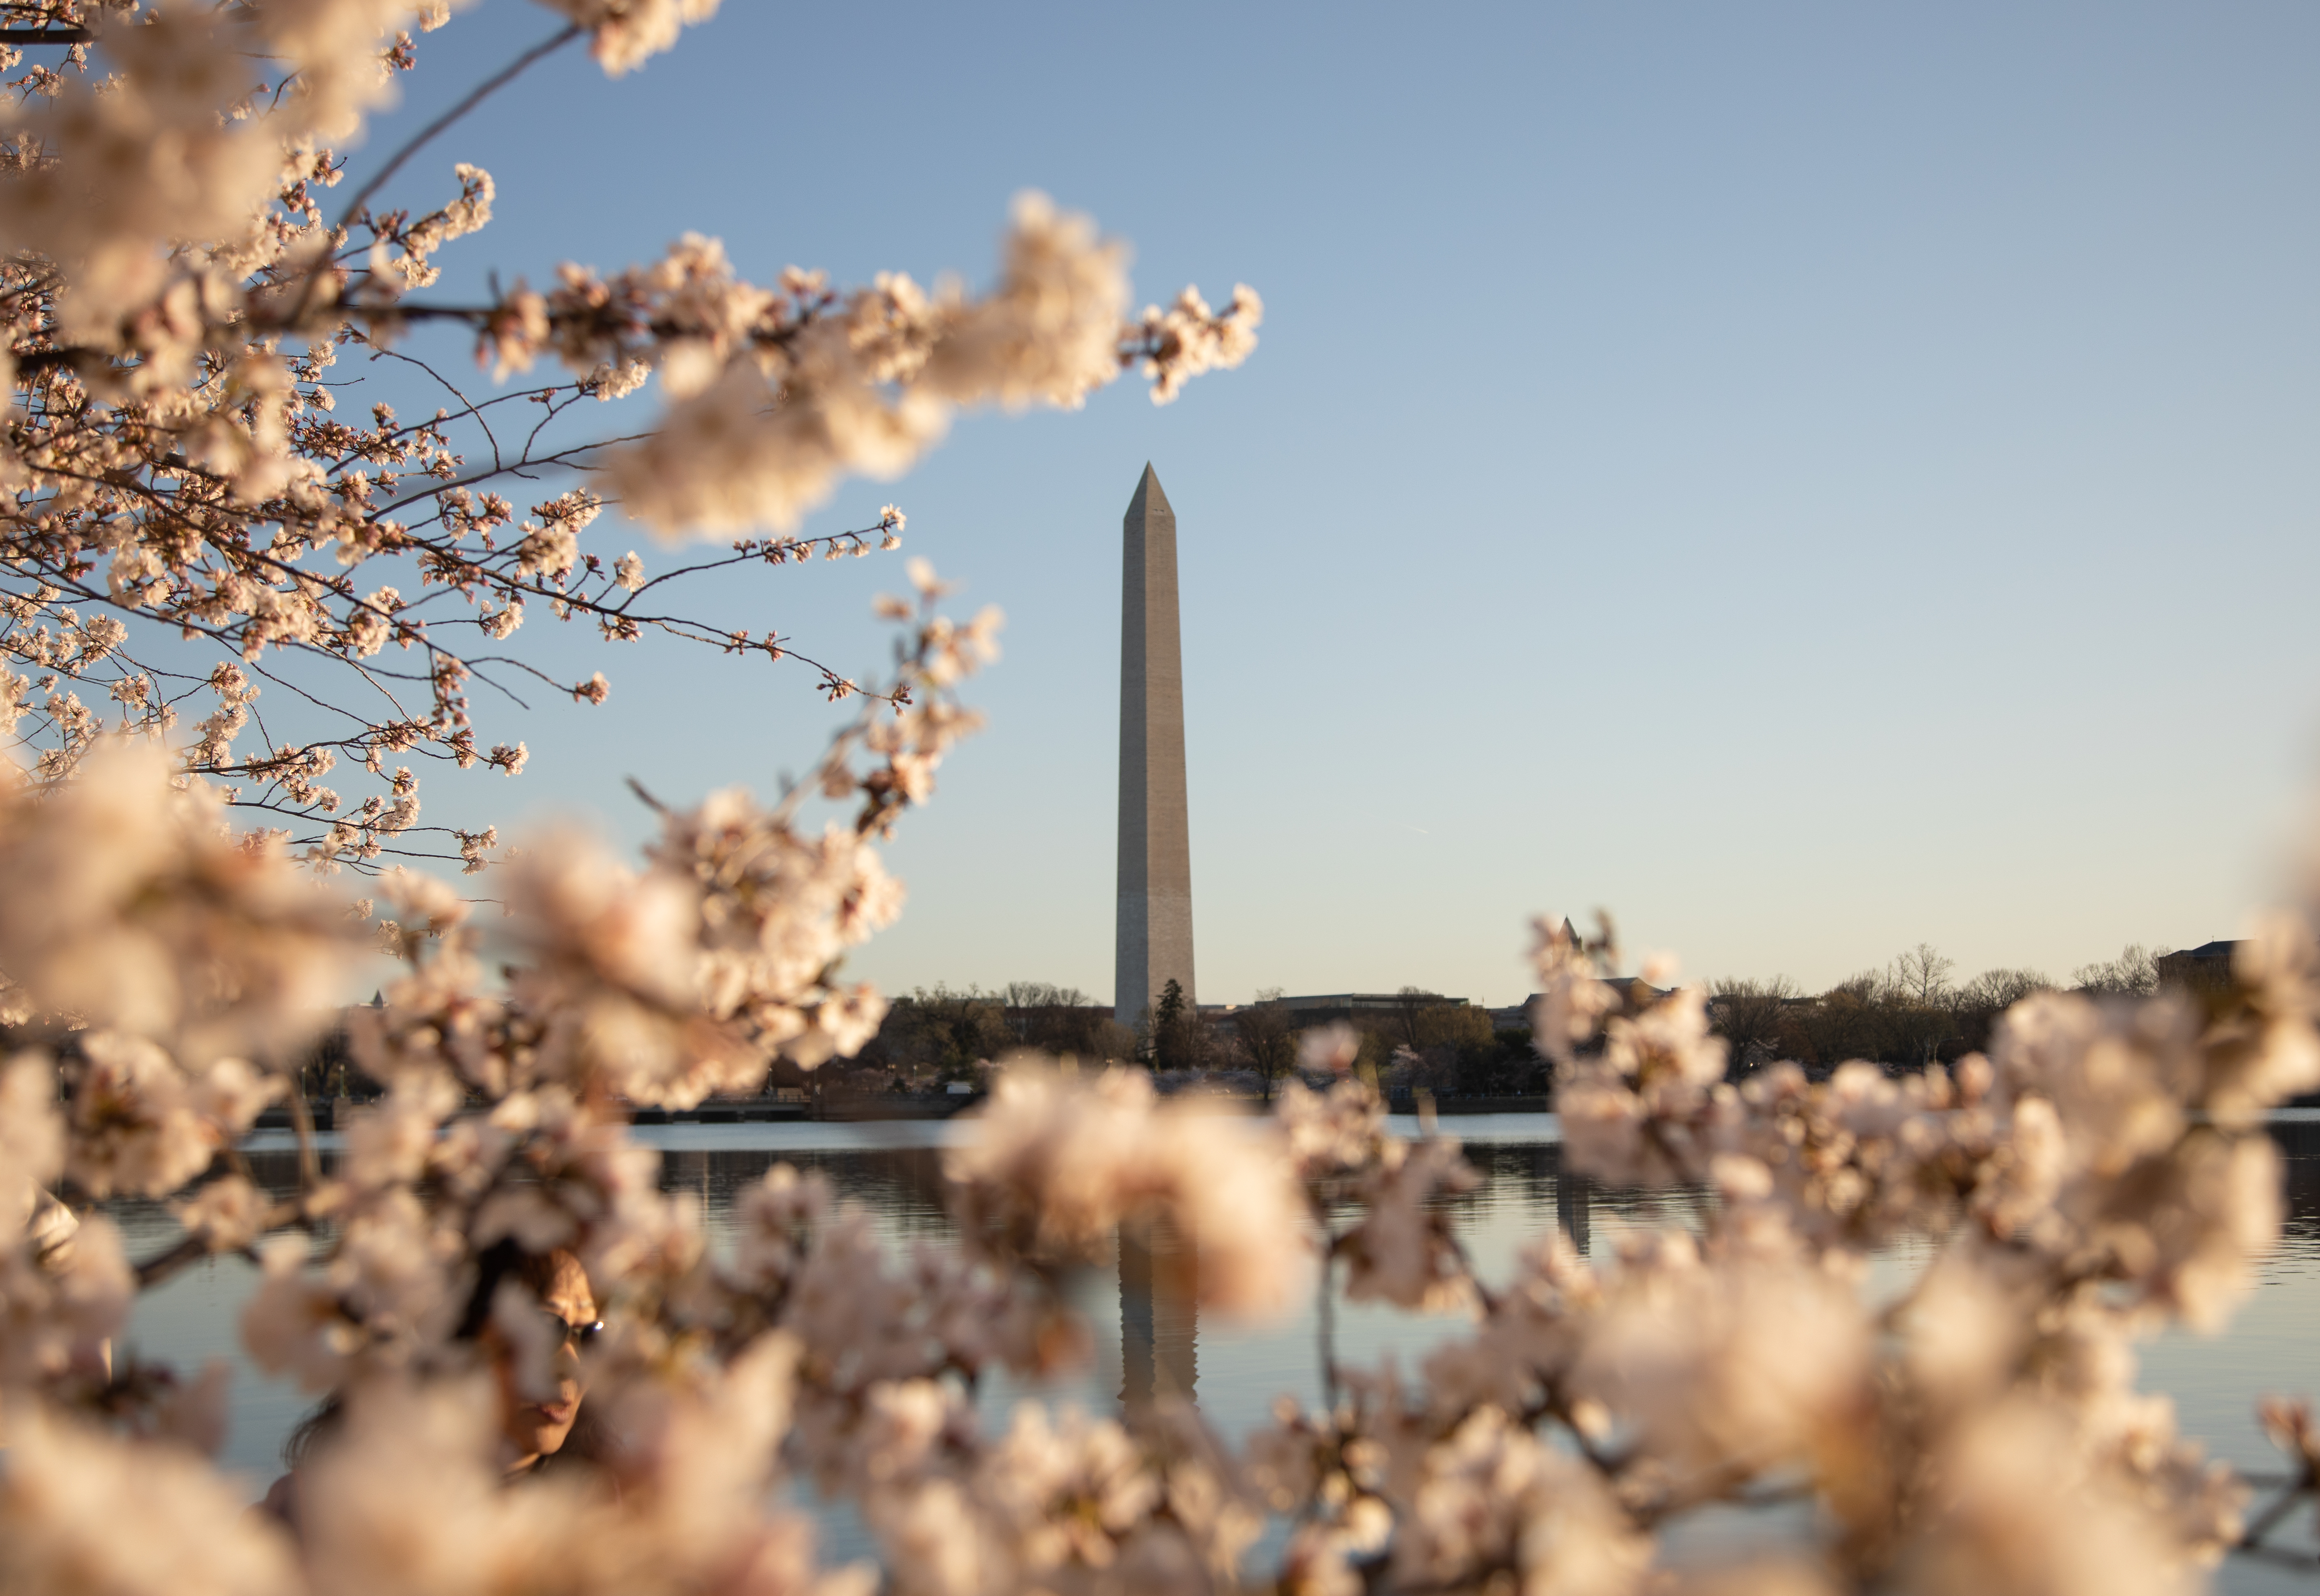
(1236, 1372)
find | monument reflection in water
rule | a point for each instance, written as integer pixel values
(1159, 1276)
(1159, 1313)
(1236, 1376)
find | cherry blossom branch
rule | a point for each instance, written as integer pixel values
(444, 122)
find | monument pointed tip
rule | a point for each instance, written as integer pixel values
(1149, 495)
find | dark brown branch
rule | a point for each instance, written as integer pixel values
(310, 1162)
(155, 1270)
(2268, 1520)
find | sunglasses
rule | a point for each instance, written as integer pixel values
(564, 1333)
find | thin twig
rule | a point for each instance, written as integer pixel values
(476, 97)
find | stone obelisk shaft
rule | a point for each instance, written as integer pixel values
(1155, 941)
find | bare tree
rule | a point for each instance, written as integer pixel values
(2134, 973)
(1409, 1004)
(1852, 1020)
(1268, 1038)
(1924, 974)
(1921, 1021)
(1057, 1019)
(944, 1034)
(1027, 995)
(1748, 1015)
(2001, 989)
(1978, 1004)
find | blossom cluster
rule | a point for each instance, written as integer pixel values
(193, 509)
(2100, 1174)
(664, 985)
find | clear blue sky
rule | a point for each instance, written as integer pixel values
(1810, 478)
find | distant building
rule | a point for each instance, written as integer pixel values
(2205, 966)
(1633, 990)
(1357, 1009)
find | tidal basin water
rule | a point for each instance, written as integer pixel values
(1236, 1372)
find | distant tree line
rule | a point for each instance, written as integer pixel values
(1910, 1013)
(1426, 1042)
(945, 1034)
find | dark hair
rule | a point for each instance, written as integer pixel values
(588, 1442)
(505, 1259)
(321, 1422)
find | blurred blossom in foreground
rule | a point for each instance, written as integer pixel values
(2100, 1175)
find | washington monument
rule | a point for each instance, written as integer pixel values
(1155, 943)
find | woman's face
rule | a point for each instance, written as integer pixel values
(536, 1428)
